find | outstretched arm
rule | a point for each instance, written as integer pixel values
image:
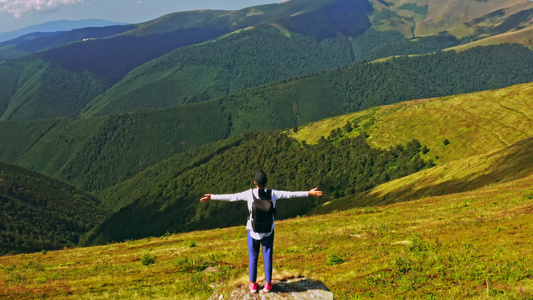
(206, 198)
(314, 192)
(243, 196)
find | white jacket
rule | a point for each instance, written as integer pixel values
(247, 196)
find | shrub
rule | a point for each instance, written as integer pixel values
(148, 259)
(334, 259)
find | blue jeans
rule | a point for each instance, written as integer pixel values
(253, 255)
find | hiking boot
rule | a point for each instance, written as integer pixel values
(253, 287)
(268, 287)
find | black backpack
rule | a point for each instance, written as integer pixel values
(263, 213)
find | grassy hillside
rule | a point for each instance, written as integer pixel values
(489, 140)
(474, 123)
(505, 20)
(467, 245)
(502, 165)
(522, 36)
(41, 213)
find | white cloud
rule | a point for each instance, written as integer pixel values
(19, 7)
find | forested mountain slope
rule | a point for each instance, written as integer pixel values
(97, 153)
(40, 213)
(170, 191)
(228, 65)
(220, 68)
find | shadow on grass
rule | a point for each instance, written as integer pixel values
(298, 286)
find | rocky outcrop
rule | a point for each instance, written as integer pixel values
(295, 289)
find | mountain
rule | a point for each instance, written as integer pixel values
(484, 145)
(55, 27)
(41, 213)
(203, 55)
(471, 19)
(97, 153)
(177, 77)
(424, 198)
(131, 49)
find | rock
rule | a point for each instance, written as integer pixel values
(210, 270)
(291, 289)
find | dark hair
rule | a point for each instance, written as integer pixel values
(261, 181)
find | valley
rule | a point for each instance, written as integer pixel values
(414, 117)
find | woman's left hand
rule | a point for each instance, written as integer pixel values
(315, 192)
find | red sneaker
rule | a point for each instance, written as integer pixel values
(253, 287)
(268, 287)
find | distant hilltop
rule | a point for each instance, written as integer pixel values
(53, 26)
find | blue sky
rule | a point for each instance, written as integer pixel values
(15, 14)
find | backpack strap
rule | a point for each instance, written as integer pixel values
(269, 193)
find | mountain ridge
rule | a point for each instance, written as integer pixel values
(373, 30)
(55, 26)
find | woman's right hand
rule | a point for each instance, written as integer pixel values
(206, 198)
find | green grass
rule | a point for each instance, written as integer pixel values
(467, 245)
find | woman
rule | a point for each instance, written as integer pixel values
(255, 239)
